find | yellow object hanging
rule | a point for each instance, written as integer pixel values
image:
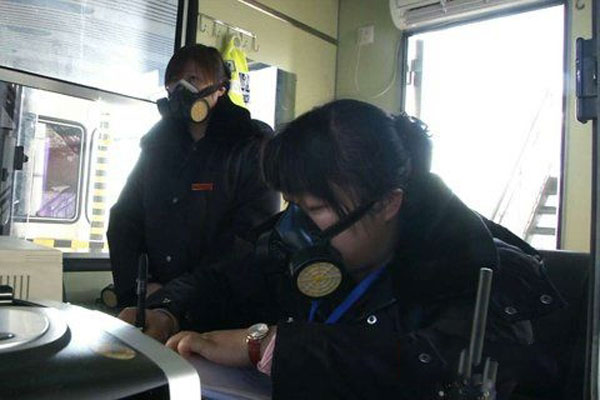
(235, 58)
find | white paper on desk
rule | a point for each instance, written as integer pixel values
(220, 383)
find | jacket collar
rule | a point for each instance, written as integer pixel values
(228, 122)
(442, 245)
(439, 255)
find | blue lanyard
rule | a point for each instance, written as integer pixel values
(352, 298)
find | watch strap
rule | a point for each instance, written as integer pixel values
(254, 350)
(255, 335)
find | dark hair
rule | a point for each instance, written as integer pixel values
(350, 145)
(208, 60)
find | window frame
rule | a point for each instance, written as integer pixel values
(185, 33)
(567, 47)
(80, 175)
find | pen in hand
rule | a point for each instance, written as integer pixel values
(141, 289)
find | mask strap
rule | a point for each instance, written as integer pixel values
(210, 89)
(346, 223)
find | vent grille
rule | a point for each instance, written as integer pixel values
(19, 283)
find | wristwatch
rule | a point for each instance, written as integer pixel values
(255, 335)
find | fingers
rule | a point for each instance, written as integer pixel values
(156, 333)
(174, 340)
(187, 343)
(158, 325)
(128, 315)
(221, 347)
(153, 287)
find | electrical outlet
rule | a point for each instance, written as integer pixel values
(366, 35)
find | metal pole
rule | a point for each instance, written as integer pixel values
(479, 320)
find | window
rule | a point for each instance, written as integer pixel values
(491, 93)
(120, 45)
(86, 73)
(80, 155)
(56, 171)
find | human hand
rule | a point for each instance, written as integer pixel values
(222, 347)
(152, 287)
(158, 324)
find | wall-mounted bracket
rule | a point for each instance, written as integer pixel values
(586, 79)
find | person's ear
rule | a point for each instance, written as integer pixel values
(391, 204)
(221, 91)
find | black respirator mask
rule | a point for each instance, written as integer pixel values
(315, 267)
(186, 102)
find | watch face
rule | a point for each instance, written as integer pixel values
(258, 331)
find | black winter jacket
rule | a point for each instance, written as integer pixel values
(186, 203)
(403, 338)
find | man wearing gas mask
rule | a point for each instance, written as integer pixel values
(364, 286)
(195, 190)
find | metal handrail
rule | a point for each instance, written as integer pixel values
(510, 188)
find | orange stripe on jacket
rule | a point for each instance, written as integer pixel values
(203, 187)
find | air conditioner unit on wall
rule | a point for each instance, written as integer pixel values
(413, 14)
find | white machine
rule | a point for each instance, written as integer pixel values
(60, 351)
(34, 272)
(53, 350)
